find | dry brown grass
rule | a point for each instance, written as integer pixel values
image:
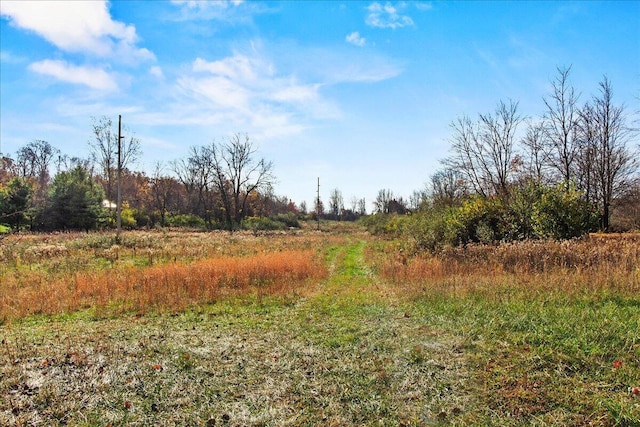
(66, 250)
(172, 287)
(596, 263)
(53, 274)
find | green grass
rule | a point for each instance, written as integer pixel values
(350, 352)
(547, 361)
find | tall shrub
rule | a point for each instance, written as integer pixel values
(562, 213)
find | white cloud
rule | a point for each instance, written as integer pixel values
(77, 26)
(245, 82)
(356, 39)
(246, 91)
(363, 69)
(238, 67)
(230, 11)
(92, 77)
(424, 6)
(331, 66)
(156, 72)
(216, 91)
(387, 16)
(269, 92)
(203, 4)
(296, 93)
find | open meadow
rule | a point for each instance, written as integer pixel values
(304, 328)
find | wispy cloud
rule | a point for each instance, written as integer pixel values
(355, 38)
(567, 11)
(231, 11)
(424, 6)
(264, 92)
(524, 54)
(92, 77)
(74, 26)
(296, 93)
(204, 4)
(156, 71)
(361, 69)
(11, 58)
(247, 92)
(335, 66)
(388, 16)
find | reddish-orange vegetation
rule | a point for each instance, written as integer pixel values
(172, 286)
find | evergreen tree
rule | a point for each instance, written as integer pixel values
(14, 202)
(75, 201)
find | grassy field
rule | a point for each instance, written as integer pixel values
(308, 328)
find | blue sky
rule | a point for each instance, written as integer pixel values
(360, 94)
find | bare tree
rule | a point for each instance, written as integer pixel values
(34, 159)
(33, 162)
(362, 206)
(561, 125)
(197, 174)
(417, 199)
(611, 163)
(353, 204)
(237, 174)
(448, 187)
(535, 155)
(336, 203)
(162, 192)
(64, 163)
(383, 201)
(7, 169)
(104, 151)
(468, 154)
(483, 151)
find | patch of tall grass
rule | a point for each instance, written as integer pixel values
(173, 286)
(59, 273)
(596, 263)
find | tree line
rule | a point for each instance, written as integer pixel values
(220, 185)
(509, 177)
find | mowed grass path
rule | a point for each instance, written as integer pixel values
(347, 352)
